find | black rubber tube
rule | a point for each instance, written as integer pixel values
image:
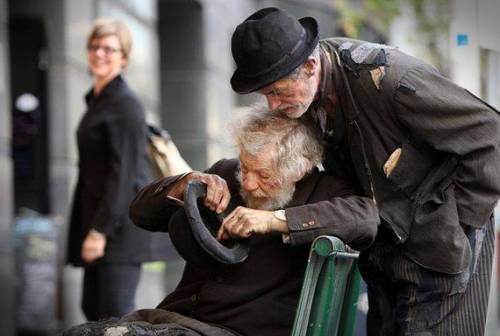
(204, 225)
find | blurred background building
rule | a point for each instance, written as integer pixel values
(181, 65)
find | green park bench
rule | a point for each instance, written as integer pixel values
(329, 296)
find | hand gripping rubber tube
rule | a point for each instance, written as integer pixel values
(205, 224)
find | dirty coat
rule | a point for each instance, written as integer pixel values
(447, 179)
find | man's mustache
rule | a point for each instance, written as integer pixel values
(282, 111)
(257, 194)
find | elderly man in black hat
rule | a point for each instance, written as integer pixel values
(223, 291)
(424, 148)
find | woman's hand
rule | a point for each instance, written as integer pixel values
(93, 246)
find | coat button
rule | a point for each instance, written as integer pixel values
(193, 297)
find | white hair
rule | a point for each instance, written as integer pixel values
(297, 149)
(295, 74)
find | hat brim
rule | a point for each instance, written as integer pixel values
(247, 83)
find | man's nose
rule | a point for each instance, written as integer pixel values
(249, 183)
(273, 102)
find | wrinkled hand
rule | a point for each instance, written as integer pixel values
(218, 195)
(244, 222)
(93, 246)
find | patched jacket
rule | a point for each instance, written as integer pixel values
(447, 179)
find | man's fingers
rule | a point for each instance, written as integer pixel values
(211, 186)
(222, 198)
(217, 194)
(238, 223)
(226, 228)
(217, 197)
(244, 222)
(211, 195)
(231, 215)
(222, 234)
(226, 196)
(216, 191)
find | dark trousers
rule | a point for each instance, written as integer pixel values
(407, 299)
(109, 290)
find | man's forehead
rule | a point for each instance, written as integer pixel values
(261, 161)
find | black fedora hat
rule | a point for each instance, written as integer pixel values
(268, 45)
(193, 230)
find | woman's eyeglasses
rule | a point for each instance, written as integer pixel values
(106, 49)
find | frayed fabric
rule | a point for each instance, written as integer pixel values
(112, 327)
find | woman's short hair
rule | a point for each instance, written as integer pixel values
(106, 26)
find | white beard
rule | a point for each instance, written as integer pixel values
(260, 201)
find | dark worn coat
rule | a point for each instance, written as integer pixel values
(259, 296)
(447, 179)
(113, 166)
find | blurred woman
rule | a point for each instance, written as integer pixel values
(113, 165)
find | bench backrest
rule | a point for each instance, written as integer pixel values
(329, 296)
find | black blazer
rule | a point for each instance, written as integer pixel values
(113, 166)
(258, 296)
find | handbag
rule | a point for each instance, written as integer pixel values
(163, 154)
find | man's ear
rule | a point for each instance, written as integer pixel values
(310, 66)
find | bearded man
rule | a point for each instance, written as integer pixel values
(276, 168)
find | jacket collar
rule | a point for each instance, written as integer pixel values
(322, 106)
(304, 188)
(326, 113)
(108, 90)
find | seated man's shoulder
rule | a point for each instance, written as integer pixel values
(335, 185)
(227, 169)
(224, 167)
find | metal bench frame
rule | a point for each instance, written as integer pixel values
(329, 296)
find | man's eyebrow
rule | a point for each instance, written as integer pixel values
(264, 170)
